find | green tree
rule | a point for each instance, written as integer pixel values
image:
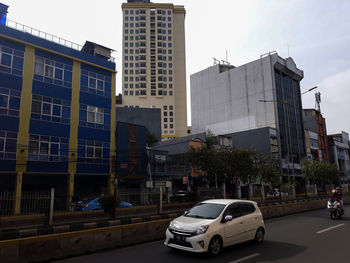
(321, 173)
(269, 171)
(150, 138)
(208, 159)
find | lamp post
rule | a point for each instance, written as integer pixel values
(290, 156)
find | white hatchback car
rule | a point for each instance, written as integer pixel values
(213, 224)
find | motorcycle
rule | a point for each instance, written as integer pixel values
(333, 206)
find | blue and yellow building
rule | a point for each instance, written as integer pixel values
(57, 113)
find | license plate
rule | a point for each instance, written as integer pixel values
(179, 238)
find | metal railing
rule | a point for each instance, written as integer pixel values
(32, 202)
(41, 34)
(46, 36)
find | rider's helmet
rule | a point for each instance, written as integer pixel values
(334, 191)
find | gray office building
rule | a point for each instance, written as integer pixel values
(263, 93)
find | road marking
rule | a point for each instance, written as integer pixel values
(330, 228)
(245, 258)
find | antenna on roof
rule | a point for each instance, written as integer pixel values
(318, 101)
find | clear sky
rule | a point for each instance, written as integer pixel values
(315, 33)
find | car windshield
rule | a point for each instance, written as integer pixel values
(205, 210)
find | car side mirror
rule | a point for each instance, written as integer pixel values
(228, 218)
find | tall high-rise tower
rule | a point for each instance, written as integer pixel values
(154, 65)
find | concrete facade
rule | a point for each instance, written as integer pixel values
(314, 122)
(339, 149)
(313, 151)
(154, 62)
(263, 93)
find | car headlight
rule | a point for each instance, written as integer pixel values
(171, 224)
(201, 230)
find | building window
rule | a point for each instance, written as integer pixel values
(94, 117)
(10, 101)
(8, 145)
(94, 83)
(47, 148)
(171, 119)
(170, 107)
(165, 119)
(165, 126)
(11, 61)
(54, 72)
(171, 126)
(50, 109)
(94, 114)
(170, 93)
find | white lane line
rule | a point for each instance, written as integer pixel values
(245, 258)
(330, 228)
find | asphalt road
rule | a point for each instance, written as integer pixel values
(310, 237)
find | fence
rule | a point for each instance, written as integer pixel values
(32, 202)
(38, 203)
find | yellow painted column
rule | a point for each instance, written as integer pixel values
(24, 122)
(18, 191)
(112, 162)
(73, 137)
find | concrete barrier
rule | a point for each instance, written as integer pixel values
(61, 245)
(55, 246)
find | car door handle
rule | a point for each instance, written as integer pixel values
(241, 222)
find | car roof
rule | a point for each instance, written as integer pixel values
(227, 201)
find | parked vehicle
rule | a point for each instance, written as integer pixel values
(334, 208)
(181, 197)
(213, 224)
(94, 204)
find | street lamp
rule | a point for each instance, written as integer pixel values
(290, 156)
(309, 90)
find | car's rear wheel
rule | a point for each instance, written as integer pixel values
(259, 235)
(215, 246)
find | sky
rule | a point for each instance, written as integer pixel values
(315, 33)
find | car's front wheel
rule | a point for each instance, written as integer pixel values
(259, 235)
(215, 246)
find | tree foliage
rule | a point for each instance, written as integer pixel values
(222, 163)
(269, 170)
(150, 138)
(321, 173)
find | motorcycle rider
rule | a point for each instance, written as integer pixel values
(336, 194)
